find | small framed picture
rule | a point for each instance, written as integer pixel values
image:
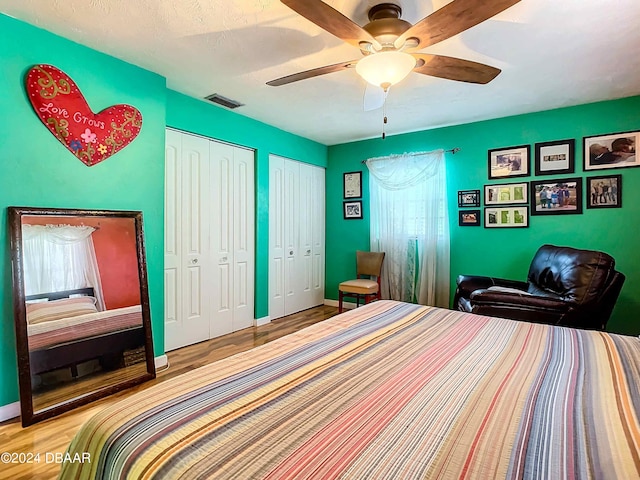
(509, 162)
(556, 197)
(506, 217)
(555, 157)
(468, 198)
(353, 210)
(615, 150)
(506, 193)
(469, 218)
(352, 182)
(604, 191)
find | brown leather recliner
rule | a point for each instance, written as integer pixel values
(565, 286)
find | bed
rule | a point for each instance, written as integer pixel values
(65, 329)
(386, 391)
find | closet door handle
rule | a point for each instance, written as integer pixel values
(194, 261)
(309, 252)
(291, 253)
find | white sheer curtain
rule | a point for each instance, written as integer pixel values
(409, 222)
(58, 258)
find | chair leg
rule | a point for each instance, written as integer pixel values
(340, 295)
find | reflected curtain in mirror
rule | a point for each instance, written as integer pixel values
(58, 258)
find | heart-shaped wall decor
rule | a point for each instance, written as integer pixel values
(91, 137)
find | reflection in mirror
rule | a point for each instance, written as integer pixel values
(81, 304)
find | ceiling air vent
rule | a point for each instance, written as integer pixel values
(224, 101)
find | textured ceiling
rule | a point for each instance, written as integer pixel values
(552, 53)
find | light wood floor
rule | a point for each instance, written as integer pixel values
(54, 435)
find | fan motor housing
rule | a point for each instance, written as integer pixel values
(385, 23)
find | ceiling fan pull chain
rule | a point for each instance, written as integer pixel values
(384, 117)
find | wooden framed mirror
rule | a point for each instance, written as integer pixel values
(81, 306)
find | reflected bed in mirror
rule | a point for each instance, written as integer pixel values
(81, 305)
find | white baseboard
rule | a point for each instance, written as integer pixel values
(335, 303)
(10, 411)
(258, 322)
(161, 361)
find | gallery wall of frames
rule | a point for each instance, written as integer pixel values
(556, 189)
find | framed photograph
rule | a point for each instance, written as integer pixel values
(615, 150)
(506, 217)
(509, 162)
(469, 218)
(507, 193)
(555, 157)
(468, 198)
(352, 182)
(604, 191)
(353, 210)
(556, 197)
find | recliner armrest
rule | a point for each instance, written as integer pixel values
(497, 300)
(467, 284)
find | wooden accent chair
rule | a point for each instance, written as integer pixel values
(370, 265)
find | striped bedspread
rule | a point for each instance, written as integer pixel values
(387, 391)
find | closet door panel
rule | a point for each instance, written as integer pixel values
(243, 238)
(305, 230)
(172, 246)
(195, 234)
(318, 240)
(222, 238)
(186, 209)
(291, 216)
(276, 237)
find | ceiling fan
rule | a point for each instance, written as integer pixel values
(390, 45)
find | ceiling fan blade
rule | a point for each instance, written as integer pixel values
(455, 68)
(453, 18)
(374, 97)
(332, 21)
(314, 72)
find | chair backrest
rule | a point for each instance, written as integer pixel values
(576, 276)
(369, 263)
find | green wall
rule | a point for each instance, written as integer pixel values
(196, 116)
(36, 170)
(503, 252)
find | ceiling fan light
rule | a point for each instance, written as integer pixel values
(384, 69)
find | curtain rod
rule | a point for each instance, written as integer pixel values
(453, 151)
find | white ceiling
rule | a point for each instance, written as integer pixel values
(552, 53)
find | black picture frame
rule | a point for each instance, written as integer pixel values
(469, 218)
(506, 194)
(509, 162)
(352, 210)
(468, 198)
(613, 150)
(554, 200)
(514, 216)
(352, 184)
(604, 191)
(555, 158)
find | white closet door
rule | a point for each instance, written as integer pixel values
(232, 236)
(318, 239)
(186, 243)
(296, 236)
(305, 220)
(291, 215)
(243, 238)
(276, 237)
